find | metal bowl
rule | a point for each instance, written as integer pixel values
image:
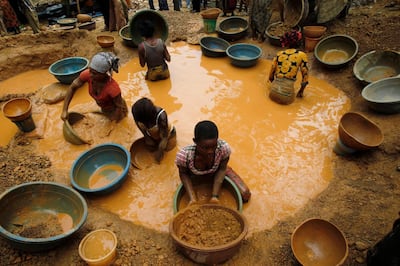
(295, 12)
(105, 41)
(233, 28)
(335, 51)
(213, 46)
(244, 54)
(229, 191)
(90, 25)
(199, 253)
(30, 212)
(101, 170)
(160, 25)
(358, 132)
(272, 38)
(319, 242)
(126, 37)
(376, 65)
(67, 21)
(383, 95)
(68, 69)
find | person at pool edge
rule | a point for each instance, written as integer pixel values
(102, 87)
(153, 52)
(153, 122)
(284, 70)
(207, 160)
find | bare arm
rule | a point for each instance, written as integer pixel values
(77, 83)
(163, 127)
(142, 55)
(187, 183)
(218, 179)
(120, 108)
(167, 56)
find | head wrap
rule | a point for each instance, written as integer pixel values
(105, 62)
(291, 39)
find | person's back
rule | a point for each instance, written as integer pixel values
(153, 52)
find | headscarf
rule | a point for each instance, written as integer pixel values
(291, 39)
(105, 62)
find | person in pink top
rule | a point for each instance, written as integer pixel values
(102, 87)
(205, 160)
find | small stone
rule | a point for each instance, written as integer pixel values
(360, 260)
(109, 224)
(360, 246)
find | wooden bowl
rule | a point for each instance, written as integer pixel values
(319, 242)
(358, 132)
(105, 41)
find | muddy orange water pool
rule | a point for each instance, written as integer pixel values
(284, 153)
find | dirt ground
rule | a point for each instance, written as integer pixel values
(362, 198)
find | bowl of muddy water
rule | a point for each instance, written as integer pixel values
(358, 132)
(193, 236)
(244, 54)
(99, 247)
(377, 65)
(101, 169)
(319, 242)
(336, 51)
(233, 28)
(229, 195)
(38, 216)
(68, 69)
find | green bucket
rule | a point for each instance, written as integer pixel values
(209, 25)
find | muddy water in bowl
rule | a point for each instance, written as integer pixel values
(104, 175)
(335, 56)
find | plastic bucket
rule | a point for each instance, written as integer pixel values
(19, 111)
(209, 25)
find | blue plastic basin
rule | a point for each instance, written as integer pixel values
(101, 169)
(244, 54)
(68, 69)
(29, 205)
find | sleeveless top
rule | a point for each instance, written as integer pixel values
(154, 54)
(154, 131)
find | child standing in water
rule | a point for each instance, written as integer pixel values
(153, 52)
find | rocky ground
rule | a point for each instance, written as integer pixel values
(362, 198)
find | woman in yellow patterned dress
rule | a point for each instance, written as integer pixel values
(284, 70)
